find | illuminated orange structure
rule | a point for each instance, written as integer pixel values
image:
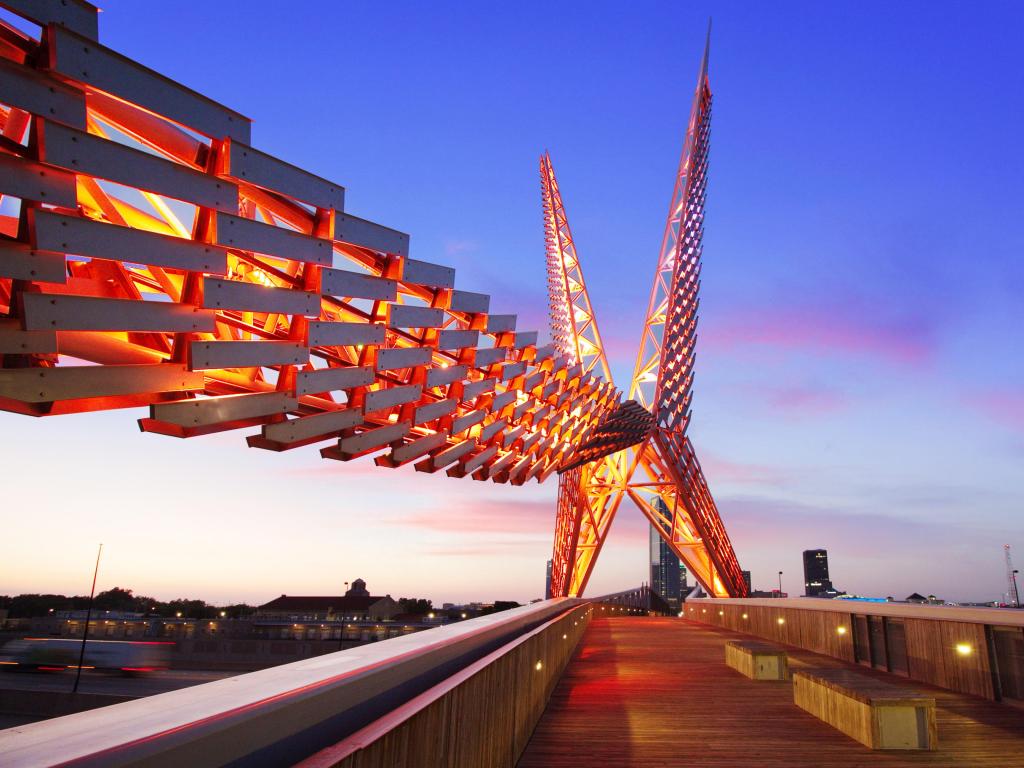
(659, 471)
(150, 256)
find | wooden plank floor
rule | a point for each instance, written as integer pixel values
(656, 692)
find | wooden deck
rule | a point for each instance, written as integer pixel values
(657, 692)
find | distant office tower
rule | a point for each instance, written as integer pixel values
(665, 571)
(816, 581)
(746, 580)
(668, 574)
(547, 583)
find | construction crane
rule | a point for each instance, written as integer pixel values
(1011, 578)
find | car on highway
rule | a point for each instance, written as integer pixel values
(129, 657)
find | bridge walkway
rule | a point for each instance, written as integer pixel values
(646, 691)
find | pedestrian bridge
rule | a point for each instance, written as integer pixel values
(564, 682)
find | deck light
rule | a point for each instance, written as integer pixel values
(721, 613)
(840, 630)
(964, 649)
(744, 615)
(781, 620)
(538, 666)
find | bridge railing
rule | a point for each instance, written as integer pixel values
(500, 669)
(482, 716)
(977, 651)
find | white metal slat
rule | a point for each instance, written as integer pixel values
(85, 153)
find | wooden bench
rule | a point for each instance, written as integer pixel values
(758, 661)
(878, 714)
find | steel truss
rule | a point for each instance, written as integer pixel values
(150, 256)
(661, 474)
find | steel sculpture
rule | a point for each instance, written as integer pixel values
(651, 460)
(151, 256)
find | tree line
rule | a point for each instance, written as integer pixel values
(120, 600)
(126, 601)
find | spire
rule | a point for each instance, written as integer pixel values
(704, 60)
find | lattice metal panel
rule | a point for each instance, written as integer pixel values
(151, 256)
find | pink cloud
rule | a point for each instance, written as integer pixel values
(719, 470)
(839, 330)
(1005, 407)
(491, 549)
(805, 400)
(456, 246)
(619, 346)
(485, 516)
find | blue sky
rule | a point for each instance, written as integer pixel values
(859, 382)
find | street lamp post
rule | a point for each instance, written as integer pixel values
(780, 583)
(88, 616)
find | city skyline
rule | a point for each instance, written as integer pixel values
(827, 382)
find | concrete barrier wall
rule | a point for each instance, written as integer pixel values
(43, 704)
(482, 717)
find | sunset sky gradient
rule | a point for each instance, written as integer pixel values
(859, 363)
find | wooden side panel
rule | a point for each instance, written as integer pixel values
(482, 718)
(950, 654)
(848, 715)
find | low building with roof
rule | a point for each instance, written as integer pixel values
(356, 604)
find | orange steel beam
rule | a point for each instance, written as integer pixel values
(587, 495)
(152, 257)
(573, 322)
(175, 266)
(670, 489)
(661, 475)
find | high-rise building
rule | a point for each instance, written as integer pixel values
(816, 581)
(746, 580)
(668, 572)
(547, 583)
